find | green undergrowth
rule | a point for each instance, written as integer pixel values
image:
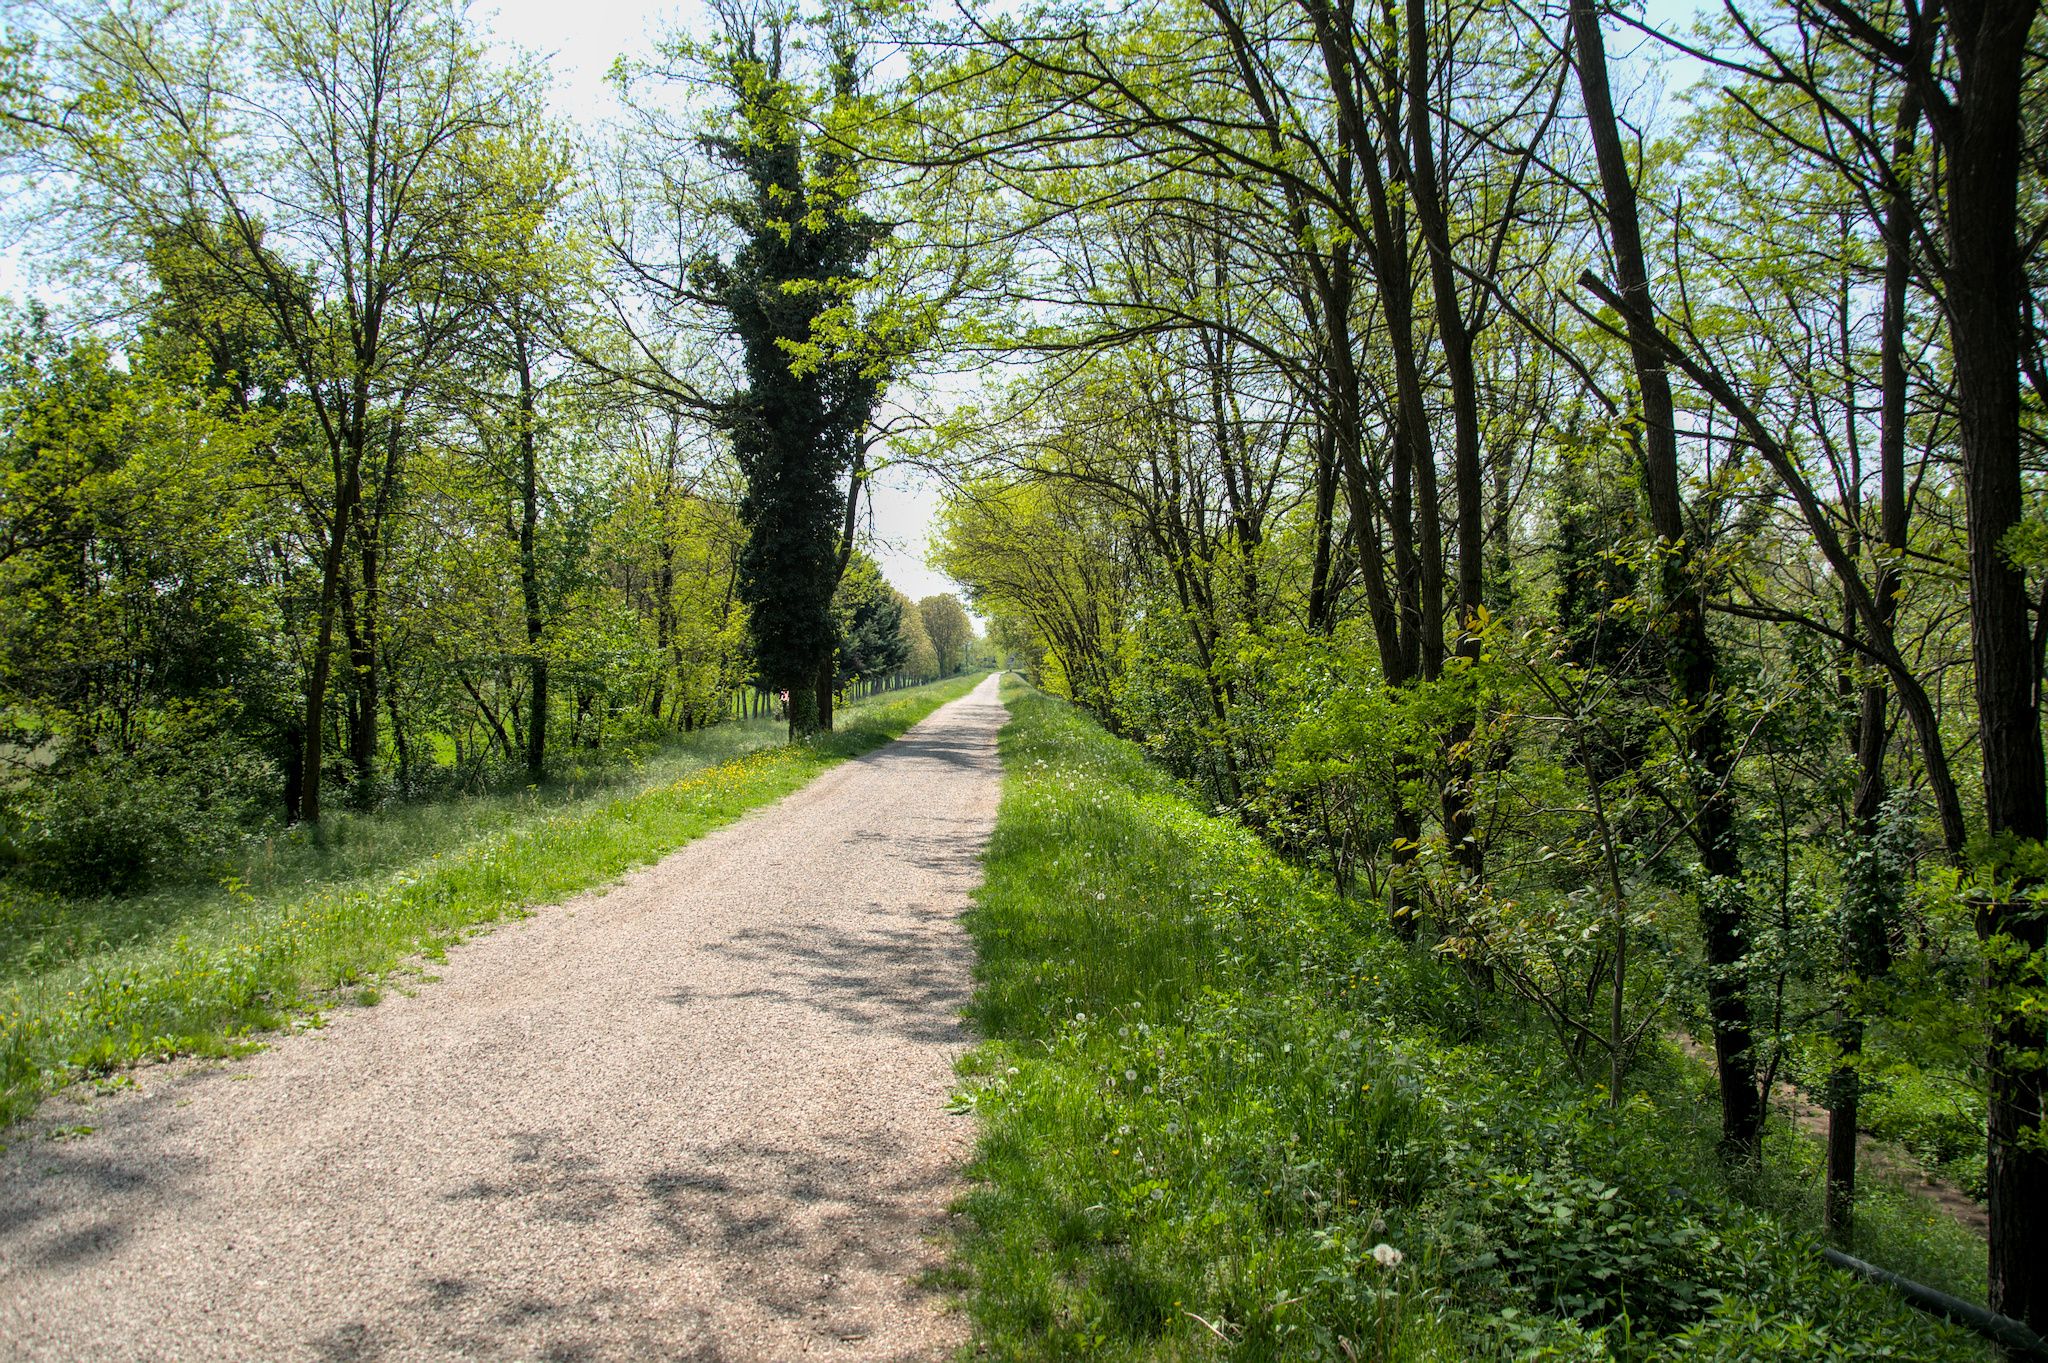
(89, 986)
(1223, 1116)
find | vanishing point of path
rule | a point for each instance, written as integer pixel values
(700, 1116)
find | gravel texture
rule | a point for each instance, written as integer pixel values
(698, 1116)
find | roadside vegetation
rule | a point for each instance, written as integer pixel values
(298, 922)
(1228, 1114)
(1576, 478)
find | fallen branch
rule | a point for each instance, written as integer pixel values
(2011, 1335)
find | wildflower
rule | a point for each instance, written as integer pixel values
(1386, 1256)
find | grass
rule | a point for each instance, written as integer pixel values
(89, 986)
(1224, 1116)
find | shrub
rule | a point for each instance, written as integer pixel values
(112, 822)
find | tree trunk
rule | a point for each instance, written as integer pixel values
(1693, 661)
(1865, 949)
(364, 670)
(803, 711)
(348, 488)
(1456, 339)
(664, 620)
(529, 575)
(1981, 132)
(400, 743)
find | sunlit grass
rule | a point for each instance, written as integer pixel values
(1209, 1091)
(88, 986)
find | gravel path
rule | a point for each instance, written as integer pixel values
(700, 1116)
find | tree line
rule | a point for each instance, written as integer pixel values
(1603, 532)
(376, 452)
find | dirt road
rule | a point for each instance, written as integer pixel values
(700, 1116)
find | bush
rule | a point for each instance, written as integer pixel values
(113, 822)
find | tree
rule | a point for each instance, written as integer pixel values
(795, 255)
(947, 626)
(872, 644)
(315, 171)
(1682, 590)
(920, 659)
(515, 271)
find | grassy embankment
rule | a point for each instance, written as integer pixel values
(87, 986)
(1210, 1090)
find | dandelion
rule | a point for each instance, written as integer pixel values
(1386, 1256)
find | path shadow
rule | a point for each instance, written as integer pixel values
(909, 981)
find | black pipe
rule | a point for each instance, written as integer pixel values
(2012, 1335)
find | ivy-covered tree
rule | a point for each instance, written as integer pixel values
(798, 422)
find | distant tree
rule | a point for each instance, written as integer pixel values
(946, 622)
(1015, 643)
(920, 659)
(870, 619)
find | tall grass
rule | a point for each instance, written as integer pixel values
(1224, 1116)
(88, 986)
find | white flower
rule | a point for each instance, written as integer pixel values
(1386, 1256)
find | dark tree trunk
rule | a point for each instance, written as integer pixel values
(664, 621)
(1322, 613)
(1455, 336)
(1981, 132)
(365, 674)
(1693, 661)
(294, 773)
(332, 565)
(529, 573)
(400, 742)
(1865, 948)
(803, 711)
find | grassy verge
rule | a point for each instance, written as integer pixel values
(1222, 1116)
(86, 987)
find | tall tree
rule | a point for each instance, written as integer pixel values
(799, 424)
(325, 140)
(1683, 592)
(947, 626)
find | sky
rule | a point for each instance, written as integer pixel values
(579, 40)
